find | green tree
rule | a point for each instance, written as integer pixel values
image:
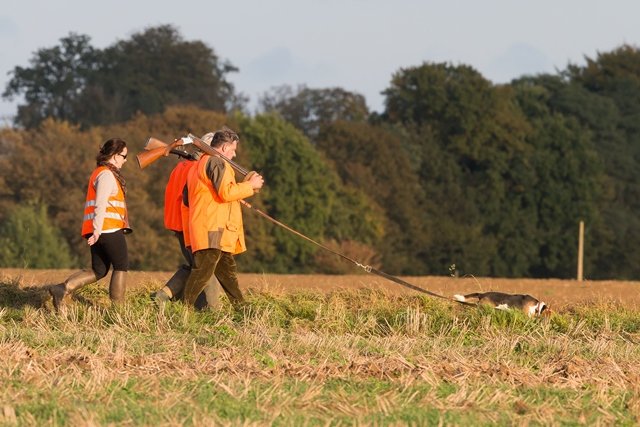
(567, 182)
(28, 239)
(153, 69)
(372, 160)
(310, 109)
(467, 141)
(51, 165)
(452, 99)
(506, 179)
(302, 191)
(54, 82)
(605, 96)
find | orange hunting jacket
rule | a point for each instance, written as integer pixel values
(215, 217)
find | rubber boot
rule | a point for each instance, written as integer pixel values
(178, 281)
(201, 272)
(73, 283)
(201, 302)
(212, 293)
(226, 272)
(210, 297)
(117, 286)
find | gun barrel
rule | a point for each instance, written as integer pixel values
(155, 148)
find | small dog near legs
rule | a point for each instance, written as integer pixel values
(501, 301)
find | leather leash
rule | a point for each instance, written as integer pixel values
(366, 268)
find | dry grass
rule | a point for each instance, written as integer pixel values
(308, 358)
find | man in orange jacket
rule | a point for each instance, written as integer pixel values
(215, 218)
(176, 220)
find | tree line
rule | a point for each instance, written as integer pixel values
(455, 171)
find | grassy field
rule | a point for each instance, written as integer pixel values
(303, 357)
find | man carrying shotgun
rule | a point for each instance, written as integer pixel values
(176, 219)
(215, 218)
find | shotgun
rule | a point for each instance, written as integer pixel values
(155, 148)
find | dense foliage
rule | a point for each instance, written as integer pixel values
(146, 73)
(28, 232)
(456, 171)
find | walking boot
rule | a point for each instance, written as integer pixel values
(117, 286)
(161, 295)
(73, 283)
(174, 288)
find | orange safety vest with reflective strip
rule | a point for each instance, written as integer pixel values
(116, 213)
(215, 217)
(173, 196)
(186, 234)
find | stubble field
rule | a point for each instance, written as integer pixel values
(559, 294)
(320, 350)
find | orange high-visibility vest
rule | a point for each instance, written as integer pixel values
(215, 218)
(186, 234)
(116, 213)
(173, 196)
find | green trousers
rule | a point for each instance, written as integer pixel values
(213, 261)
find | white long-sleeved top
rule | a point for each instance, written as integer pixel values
(106, 186)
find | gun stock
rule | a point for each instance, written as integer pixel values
(161, 149)
(153, 143)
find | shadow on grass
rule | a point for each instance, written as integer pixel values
(13, 295)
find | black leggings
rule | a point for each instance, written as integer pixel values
(110, 249)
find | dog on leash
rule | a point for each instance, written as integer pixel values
(501, 301)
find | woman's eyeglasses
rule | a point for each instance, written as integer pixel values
(124, 156)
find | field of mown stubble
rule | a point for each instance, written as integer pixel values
(318, 350)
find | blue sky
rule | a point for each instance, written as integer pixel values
(353, 44)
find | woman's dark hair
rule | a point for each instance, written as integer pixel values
(107, 150)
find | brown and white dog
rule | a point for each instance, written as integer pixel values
(528, 304)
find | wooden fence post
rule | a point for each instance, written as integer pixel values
(580, 250)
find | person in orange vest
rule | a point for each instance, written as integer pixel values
(176, 219)
(215, 219)
(104, 225)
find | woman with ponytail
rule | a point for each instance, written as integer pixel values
(104, 225)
